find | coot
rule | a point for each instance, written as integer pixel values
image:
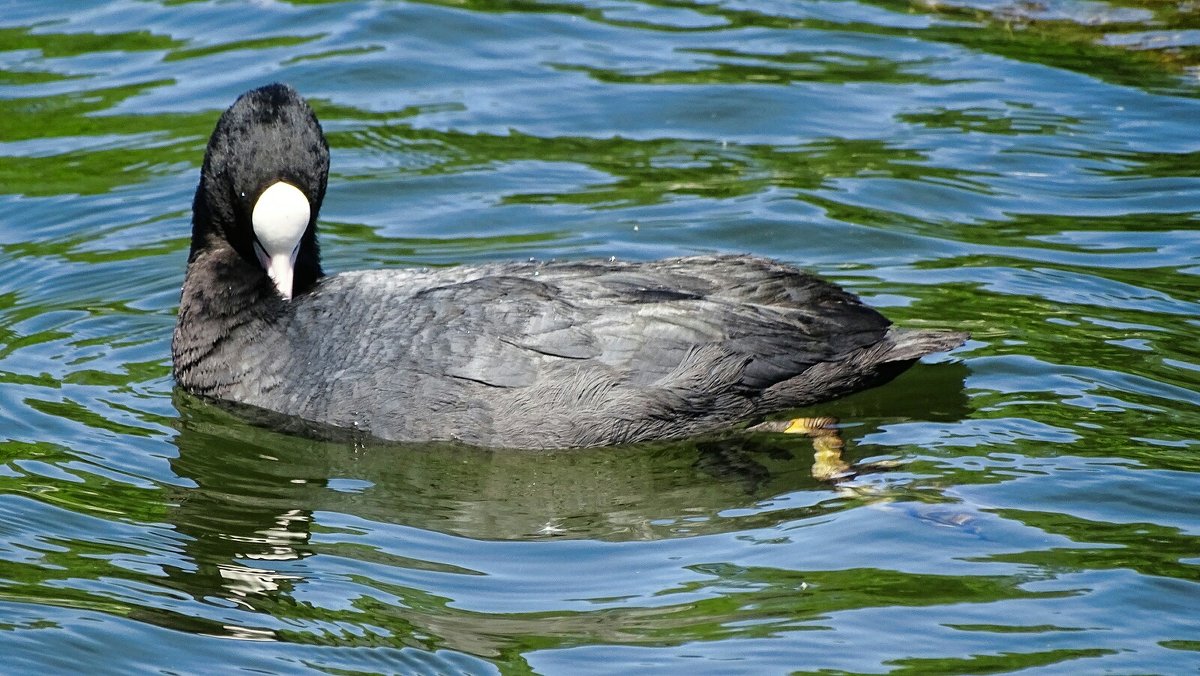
(528, 355)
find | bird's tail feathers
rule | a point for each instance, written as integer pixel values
(912, 344)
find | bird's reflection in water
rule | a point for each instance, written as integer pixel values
(283, 541)
(263, 502)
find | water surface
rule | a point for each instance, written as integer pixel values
(1029, 172)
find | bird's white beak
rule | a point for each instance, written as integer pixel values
(280, 218)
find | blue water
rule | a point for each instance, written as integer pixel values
(1029, 172)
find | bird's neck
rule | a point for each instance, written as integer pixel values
(222, 294)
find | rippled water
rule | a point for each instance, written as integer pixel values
(1028, 171)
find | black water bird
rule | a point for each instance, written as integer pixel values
(532, 355)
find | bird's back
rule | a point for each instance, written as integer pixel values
(574, 354)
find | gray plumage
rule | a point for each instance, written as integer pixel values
(525, 355)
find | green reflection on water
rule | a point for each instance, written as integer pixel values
(992, 664)
(56, 45)
(1013, 31)
(1085, 350)
(256, 44)
(781, 69)
(1147, 548)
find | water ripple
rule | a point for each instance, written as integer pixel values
(1025, 171)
